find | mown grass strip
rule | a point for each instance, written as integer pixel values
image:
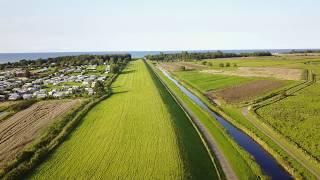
(242, 163)
(137, 133)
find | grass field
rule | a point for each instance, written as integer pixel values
(235, 113)
(242, 163)
(297, 117)
(137, 133)
(205, 82)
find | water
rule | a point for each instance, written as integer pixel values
(269, 165)
(13, 57)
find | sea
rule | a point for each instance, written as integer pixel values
(14, 57)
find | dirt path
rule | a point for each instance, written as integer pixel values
(210, 141)
(23, 127)
(286, 146)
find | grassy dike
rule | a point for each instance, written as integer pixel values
(244, 166)
(235, 116)
(137, 133)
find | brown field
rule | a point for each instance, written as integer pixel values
(26, 125)
(279, 73)
(175, 66)
(246, 91)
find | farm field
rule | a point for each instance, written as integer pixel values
(205, 81)
(138, 133)
(230, 99)
(297, 117)
(23, 127)
(247, 91)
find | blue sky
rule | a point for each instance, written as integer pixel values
(114, 25)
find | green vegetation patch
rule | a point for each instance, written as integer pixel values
(139, 132)
(297, 117)
(205, 81)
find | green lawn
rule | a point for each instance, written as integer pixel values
(205, 81)
(297, 117)
(137, 133)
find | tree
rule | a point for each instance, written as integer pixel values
(182, 68)
(99, 88)
(28, 73)
(114, 68)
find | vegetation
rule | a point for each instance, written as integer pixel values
(99, 88)
(241, 162)
(205, 81)
(186, 56)
(297, 117)
(66, 61)
(304, 51)
(138, 132)
(235, 114)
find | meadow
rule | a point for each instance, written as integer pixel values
(297, 118)
(230, 102)
(207, 82)
(242, 163)
(137, 133)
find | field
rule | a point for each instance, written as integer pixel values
(297, 117)
(137, 133)
(247, 91)
(208, 82)
(278, 73)
(231, 93)
(23, 127)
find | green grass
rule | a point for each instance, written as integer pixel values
(137, 133)
(297, 117)
(242, 163)
(205, 81)
(284, 61)
(235, 116)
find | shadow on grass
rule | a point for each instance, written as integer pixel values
(197, 162)
(128, 71)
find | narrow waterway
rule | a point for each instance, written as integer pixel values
(267, 163)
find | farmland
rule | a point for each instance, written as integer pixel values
(205, 81)
(297, 117)
(247, 91)
(22, 128)
(137, 133)
(244, 81)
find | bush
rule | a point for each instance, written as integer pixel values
(209, 64)
(182, 68)
(228, 65)
(221, 65)
(204, 62)
(22, 105)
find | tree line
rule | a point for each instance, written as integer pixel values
(65, 61)
(304, 51)
(187, 56)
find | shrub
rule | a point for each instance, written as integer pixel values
(204, 62)
(22, 105)
(182, 68)
(221, 65)
(209, 64)
(228, 65)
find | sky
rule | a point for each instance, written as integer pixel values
(136, 25)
